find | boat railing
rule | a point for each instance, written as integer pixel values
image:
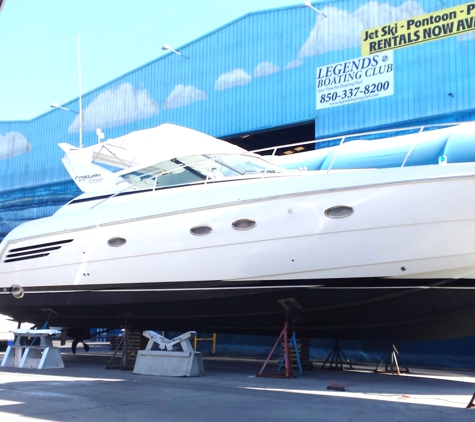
(335, 141)
(338, 141)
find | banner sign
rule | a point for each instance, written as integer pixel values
(419, 29)
(361, 79)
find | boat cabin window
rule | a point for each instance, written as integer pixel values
(197, 168)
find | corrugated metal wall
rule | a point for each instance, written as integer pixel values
(431, 79)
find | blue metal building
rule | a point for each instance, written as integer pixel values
(273, 77)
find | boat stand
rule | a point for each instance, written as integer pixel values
(33, 349)
(471, 405)
(170, 358)
(286, 358)
(128, 353)
(293, 341)
(392, 365)
(336, 359)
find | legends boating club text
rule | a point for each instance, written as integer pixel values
(358, 79)
(419, 29)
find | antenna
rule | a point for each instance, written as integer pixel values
(80, 91)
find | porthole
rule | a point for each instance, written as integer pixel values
(116, 241)
(17, 291)
(339, 211)
(201, 230)
(244, 224)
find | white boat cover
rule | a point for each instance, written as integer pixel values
(150, 146)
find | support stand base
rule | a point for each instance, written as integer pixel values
(336, 359)
(127, 355)
(169, 364)
(27, 353)
(471, 405)
(392, 365)
(286, 359)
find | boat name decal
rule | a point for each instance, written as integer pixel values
(91, 178)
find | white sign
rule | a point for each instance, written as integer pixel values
(361, 79)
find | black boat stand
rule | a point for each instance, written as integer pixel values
(336, 358)
(392, 365)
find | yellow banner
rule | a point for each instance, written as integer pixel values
(419, 29)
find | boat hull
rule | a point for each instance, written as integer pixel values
(400, 266)
(336, 308)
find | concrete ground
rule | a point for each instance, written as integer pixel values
(85, 391)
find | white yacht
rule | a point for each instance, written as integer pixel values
(177, 230)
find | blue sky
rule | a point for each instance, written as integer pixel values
(38, 43)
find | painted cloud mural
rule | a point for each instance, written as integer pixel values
(294, 63)
(470, 36)
(13, 144)
(183, 95)
(231, 79)
(265, 69)
(322, 39)
(116, 107)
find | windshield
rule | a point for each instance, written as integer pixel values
(198, 168)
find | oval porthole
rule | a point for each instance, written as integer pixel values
(339, 211)
(116, 241)
(201, 230)
(244, 224)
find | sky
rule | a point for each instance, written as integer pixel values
(39, 48)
